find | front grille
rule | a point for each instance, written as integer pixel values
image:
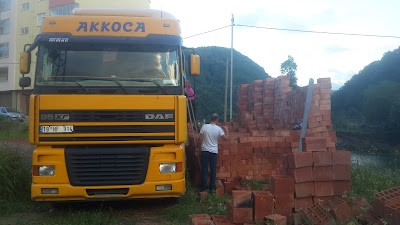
(107, 116)
(107, 165)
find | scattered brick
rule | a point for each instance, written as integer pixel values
(303, 203)
(240, 215)
(276, 219)
(317, 215)
(263, 204)
(242, 198)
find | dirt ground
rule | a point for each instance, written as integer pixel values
(138, 212)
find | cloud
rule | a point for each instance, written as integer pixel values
(317, 55)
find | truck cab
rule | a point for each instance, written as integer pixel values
(108, 111)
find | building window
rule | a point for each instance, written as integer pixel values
(4, 26)
(25, 6)
(5, 5)
(40, 18)
(24, 30)
(64, 10)
(3, 74)
(3, 50)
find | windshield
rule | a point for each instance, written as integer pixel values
(67, 64)
(11, 110)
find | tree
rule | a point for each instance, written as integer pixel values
(289, 68)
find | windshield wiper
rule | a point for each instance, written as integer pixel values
(158, 85)
(107, 79)
(83, 87)
(152, 81)
(120, 85)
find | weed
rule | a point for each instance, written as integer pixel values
(97, 217)
(13, 130)
(190, 204)
(255, 185)
(367, 179)
(14, 176)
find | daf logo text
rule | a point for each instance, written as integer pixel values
(158, 116)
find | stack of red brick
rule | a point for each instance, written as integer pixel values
(387, 205)
(318, 175)
(262, 134)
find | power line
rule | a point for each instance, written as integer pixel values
(207, 32)
(298, 30)
(319, 32)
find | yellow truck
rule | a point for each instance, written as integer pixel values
(108, 113)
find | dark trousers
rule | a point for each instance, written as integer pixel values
(208, 159)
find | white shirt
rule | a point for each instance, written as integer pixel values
(211, 134)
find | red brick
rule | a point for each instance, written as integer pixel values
(322, 200)
(340, 187)
(242, 198)
(203, 222)
(304, 189)
(301, 175)
(229, 186)
(220, 188)
(220, 220)
(263, 204)
(276, 219)
(341, 211)
(240, 215)
(323, 173)
(341, 158)
(303, 203)
(200, 216)
(360, 207)
(282, 184)
(341, 173)
(322, 158)
(317, 215)
(323, 188)
(284, 201)
(300, 159)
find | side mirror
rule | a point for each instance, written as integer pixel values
(25, 62)
(24, 82)
(194, 65)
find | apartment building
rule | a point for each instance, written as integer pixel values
(20, 22)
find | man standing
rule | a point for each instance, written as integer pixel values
(208, 141)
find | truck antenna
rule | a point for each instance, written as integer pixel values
(161, 8)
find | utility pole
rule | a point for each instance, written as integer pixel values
(226, 91)
(232, 24)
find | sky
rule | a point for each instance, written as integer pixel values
(316, 55)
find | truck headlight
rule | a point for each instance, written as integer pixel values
(168, 168)
(47, 170)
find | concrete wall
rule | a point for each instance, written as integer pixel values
(126, 4)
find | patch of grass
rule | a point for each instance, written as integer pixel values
(13, 130)
(367, 179)
(191, 203)
(95, 217)
(256, 185)
(15, 183)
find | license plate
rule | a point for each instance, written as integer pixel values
(56, 129)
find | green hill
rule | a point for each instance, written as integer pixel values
(370, 100)
(210, 85)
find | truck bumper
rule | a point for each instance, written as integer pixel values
(66, 192)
